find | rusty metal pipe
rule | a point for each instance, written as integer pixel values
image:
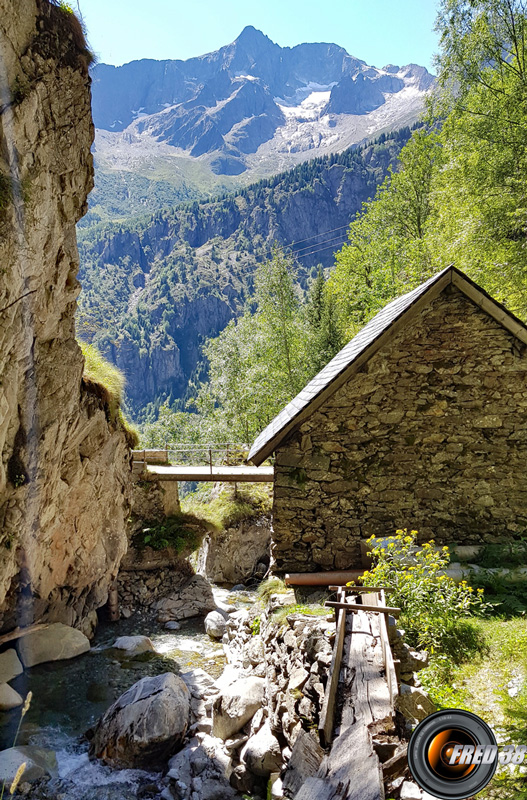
(322, 578)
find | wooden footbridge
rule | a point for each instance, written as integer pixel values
(357, 719)
(215, 462)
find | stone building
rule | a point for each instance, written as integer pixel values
(419, 422)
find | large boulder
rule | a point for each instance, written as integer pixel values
(134, 645)
(53, 643)
(10, 665)
(236, 705)
(232, 555)
(9, 698)
(194, 599)
(39, 764)
(145, 725)
(215, 624)
(262, 753)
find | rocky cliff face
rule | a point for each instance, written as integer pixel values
(65, 461)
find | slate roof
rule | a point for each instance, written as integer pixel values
(367, 337)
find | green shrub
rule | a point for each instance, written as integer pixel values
(174, 532)
(435, 609)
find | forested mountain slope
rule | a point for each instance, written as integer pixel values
(155, 288)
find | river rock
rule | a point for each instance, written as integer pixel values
(194, 599)
(236, 705)
(39, 764)
(262, 753)
(202, 770)
(9, 698)
(134, 645)
(413, 703)
(53, 643)
(145, 725)
(172, 625)
(10, 665)
(215, 624)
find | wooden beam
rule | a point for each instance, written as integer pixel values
(18, 633)
(354, 607)
(327, 713)
(352, 766)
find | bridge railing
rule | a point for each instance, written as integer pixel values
(213, 454)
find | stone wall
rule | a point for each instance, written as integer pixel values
(431, 434)
(65, 461)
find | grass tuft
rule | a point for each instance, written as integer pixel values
(107, 382)
(230, 506)
(271, 586)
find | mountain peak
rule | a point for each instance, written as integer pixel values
(251, 35)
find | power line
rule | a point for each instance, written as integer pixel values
(315, 236)
(320, 250)
(316, 244)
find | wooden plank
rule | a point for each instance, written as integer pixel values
(352, 766)
(304, 763)
(389, 665)
(315, 789)
(395, 612)
(327, 713)
(18, 633)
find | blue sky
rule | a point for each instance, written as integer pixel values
(378, 31)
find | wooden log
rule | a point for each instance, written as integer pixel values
(17, 633)
(395, 612)
(304, 763)
(327, 713)
(322, 578)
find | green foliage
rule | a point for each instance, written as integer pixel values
(255, 626)
(230, 506)
(99, 371)
(271, 586)
(108, 382)
(174, 531)
(435, 609)
(459, 193)
(203, 253)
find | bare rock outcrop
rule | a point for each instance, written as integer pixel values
(65, 462)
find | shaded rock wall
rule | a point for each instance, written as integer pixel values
(65, 462)
(430, 435)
